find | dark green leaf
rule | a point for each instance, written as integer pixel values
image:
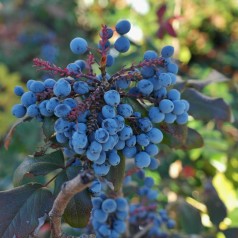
(117, 173)
(174, 135)
(21, 209)
(189, 218)
(48, 126)
(78, 210)
(193, 140)
(206, 108)
(231, 232)
(181, 137)
(216, 208)
(40, 165)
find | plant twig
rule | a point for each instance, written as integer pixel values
(68, 190)
(144, 231)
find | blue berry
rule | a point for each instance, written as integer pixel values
(122, 44)
(170, 118)
(113, 158)
(109, 205)
(49, 83)
(62, 88)
(150, 54)
(123, 27)
(142, 160)
(145, 87)
(155, 135)
(145, 124)
(124, 110)
(112, 97)
(165, 79)
(37, 87)
(173, 94)
(78, 45)
(81, 87)
(33, 110)
(129, 152)
(166, 106)
(172, 68)
(73, 68)
(149, 182)
(18, 90)
(167, 51)
(101, 135)
(152, 149)
(62, 110)
(110, 61)
(100, 215)
(28, 98)
(108, 111)
(182, 119)
(155, 115)
(19, 110)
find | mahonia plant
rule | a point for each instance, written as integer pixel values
(95, 123)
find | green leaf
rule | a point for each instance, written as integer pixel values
(35, 166)
(181, 137)
(206, 108)
(48, 126)
(117, 173)
(189, 218)
(231, 232)
(78, 210)
(21, 209)
(193, 140)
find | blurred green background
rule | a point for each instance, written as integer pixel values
(205, 36)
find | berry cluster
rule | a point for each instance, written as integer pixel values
(108, 216)
(95, 121)
(146, 212)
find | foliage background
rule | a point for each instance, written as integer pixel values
(204, 34)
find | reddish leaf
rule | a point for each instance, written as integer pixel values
(9, 135)
(160, 12)
(169, 28)
(160, 32)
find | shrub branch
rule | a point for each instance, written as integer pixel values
(68, 190)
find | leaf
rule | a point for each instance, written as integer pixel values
(160, 33)
(21, 209)
(213, 77)
(48, 127)
(78, 210)
(169, 28)
(180, 136)
(231, 232)
(160, 12)
(193, 140)
(9, 135)
(117, 173)
(40, 165)
(206, 108)
(216, 208)
(189, 218)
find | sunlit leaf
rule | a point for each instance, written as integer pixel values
(206, 108)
